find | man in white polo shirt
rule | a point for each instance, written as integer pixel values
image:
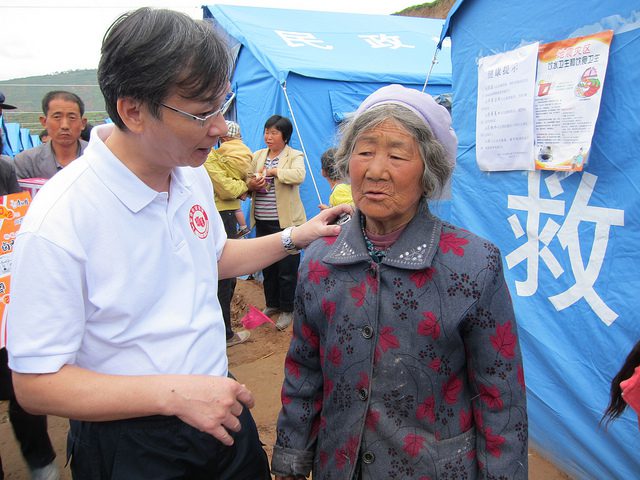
(114, 319)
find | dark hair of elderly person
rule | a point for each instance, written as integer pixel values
(328, 164)
(340, 190)
(404, 360)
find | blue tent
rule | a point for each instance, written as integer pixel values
(569, 241)
(16, 139)
(316, 67)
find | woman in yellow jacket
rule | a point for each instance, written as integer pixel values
(278, 171)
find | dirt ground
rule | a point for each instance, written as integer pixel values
(258, 363)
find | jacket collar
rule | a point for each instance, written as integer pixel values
(414, 250)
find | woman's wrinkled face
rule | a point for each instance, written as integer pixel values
(386, 176)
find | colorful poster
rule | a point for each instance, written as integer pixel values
(505, 114)
(569, 88)
(12, 210)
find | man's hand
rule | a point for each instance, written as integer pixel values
(319, 226)
(210, 404)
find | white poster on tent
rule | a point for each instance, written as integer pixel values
(504, 119)
(569, 88)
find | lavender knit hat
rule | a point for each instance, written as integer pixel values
(422, 104)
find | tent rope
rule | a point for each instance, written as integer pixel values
(433, 64)
(304, 151)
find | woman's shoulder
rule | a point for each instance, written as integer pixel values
(465, 244)
(292, 152)
(317, 249)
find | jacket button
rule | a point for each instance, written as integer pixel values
(368, 457)
(367, 331)
(363, 394)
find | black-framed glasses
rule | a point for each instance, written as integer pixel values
(203, 120)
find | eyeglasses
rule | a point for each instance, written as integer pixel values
(203, 120)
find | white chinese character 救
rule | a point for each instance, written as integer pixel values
(568, 235)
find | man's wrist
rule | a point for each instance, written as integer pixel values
(287, 241)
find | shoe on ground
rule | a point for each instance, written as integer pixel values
(48, 472)
(238, 338)
(243, 232)
(284, 320)
(270, 311)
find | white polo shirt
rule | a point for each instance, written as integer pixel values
(114, 277)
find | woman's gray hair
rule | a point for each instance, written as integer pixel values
(437, 168)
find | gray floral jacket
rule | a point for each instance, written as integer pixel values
(407, 369)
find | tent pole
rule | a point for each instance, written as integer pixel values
(433, 63)
(304, 151)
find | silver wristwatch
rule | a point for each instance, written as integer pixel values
(287, 243)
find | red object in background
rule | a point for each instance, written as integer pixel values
(32, 185)
(631, 392)
(254, 318)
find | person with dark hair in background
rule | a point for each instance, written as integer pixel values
(340, 191)
(86, 132)
(30, 430)
(44, 135)
(278, 171)
(114, 320)
(64, 121)
(625, 388)
(8, 180)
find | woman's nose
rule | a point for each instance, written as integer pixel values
(377, 166)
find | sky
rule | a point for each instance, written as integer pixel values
(39, 37)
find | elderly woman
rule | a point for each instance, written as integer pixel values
(405, 360)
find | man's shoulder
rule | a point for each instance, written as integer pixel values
(32, 153)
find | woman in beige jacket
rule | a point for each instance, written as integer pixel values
(278, 171)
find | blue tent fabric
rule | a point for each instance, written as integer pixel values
(25, 138)
(337, 49)
(284, 66)
(15, 138)
(569, 240)
(12, 138)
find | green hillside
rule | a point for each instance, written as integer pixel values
(26, 94)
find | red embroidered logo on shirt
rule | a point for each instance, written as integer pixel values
(199, 221)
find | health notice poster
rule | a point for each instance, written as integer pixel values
(569, 82)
